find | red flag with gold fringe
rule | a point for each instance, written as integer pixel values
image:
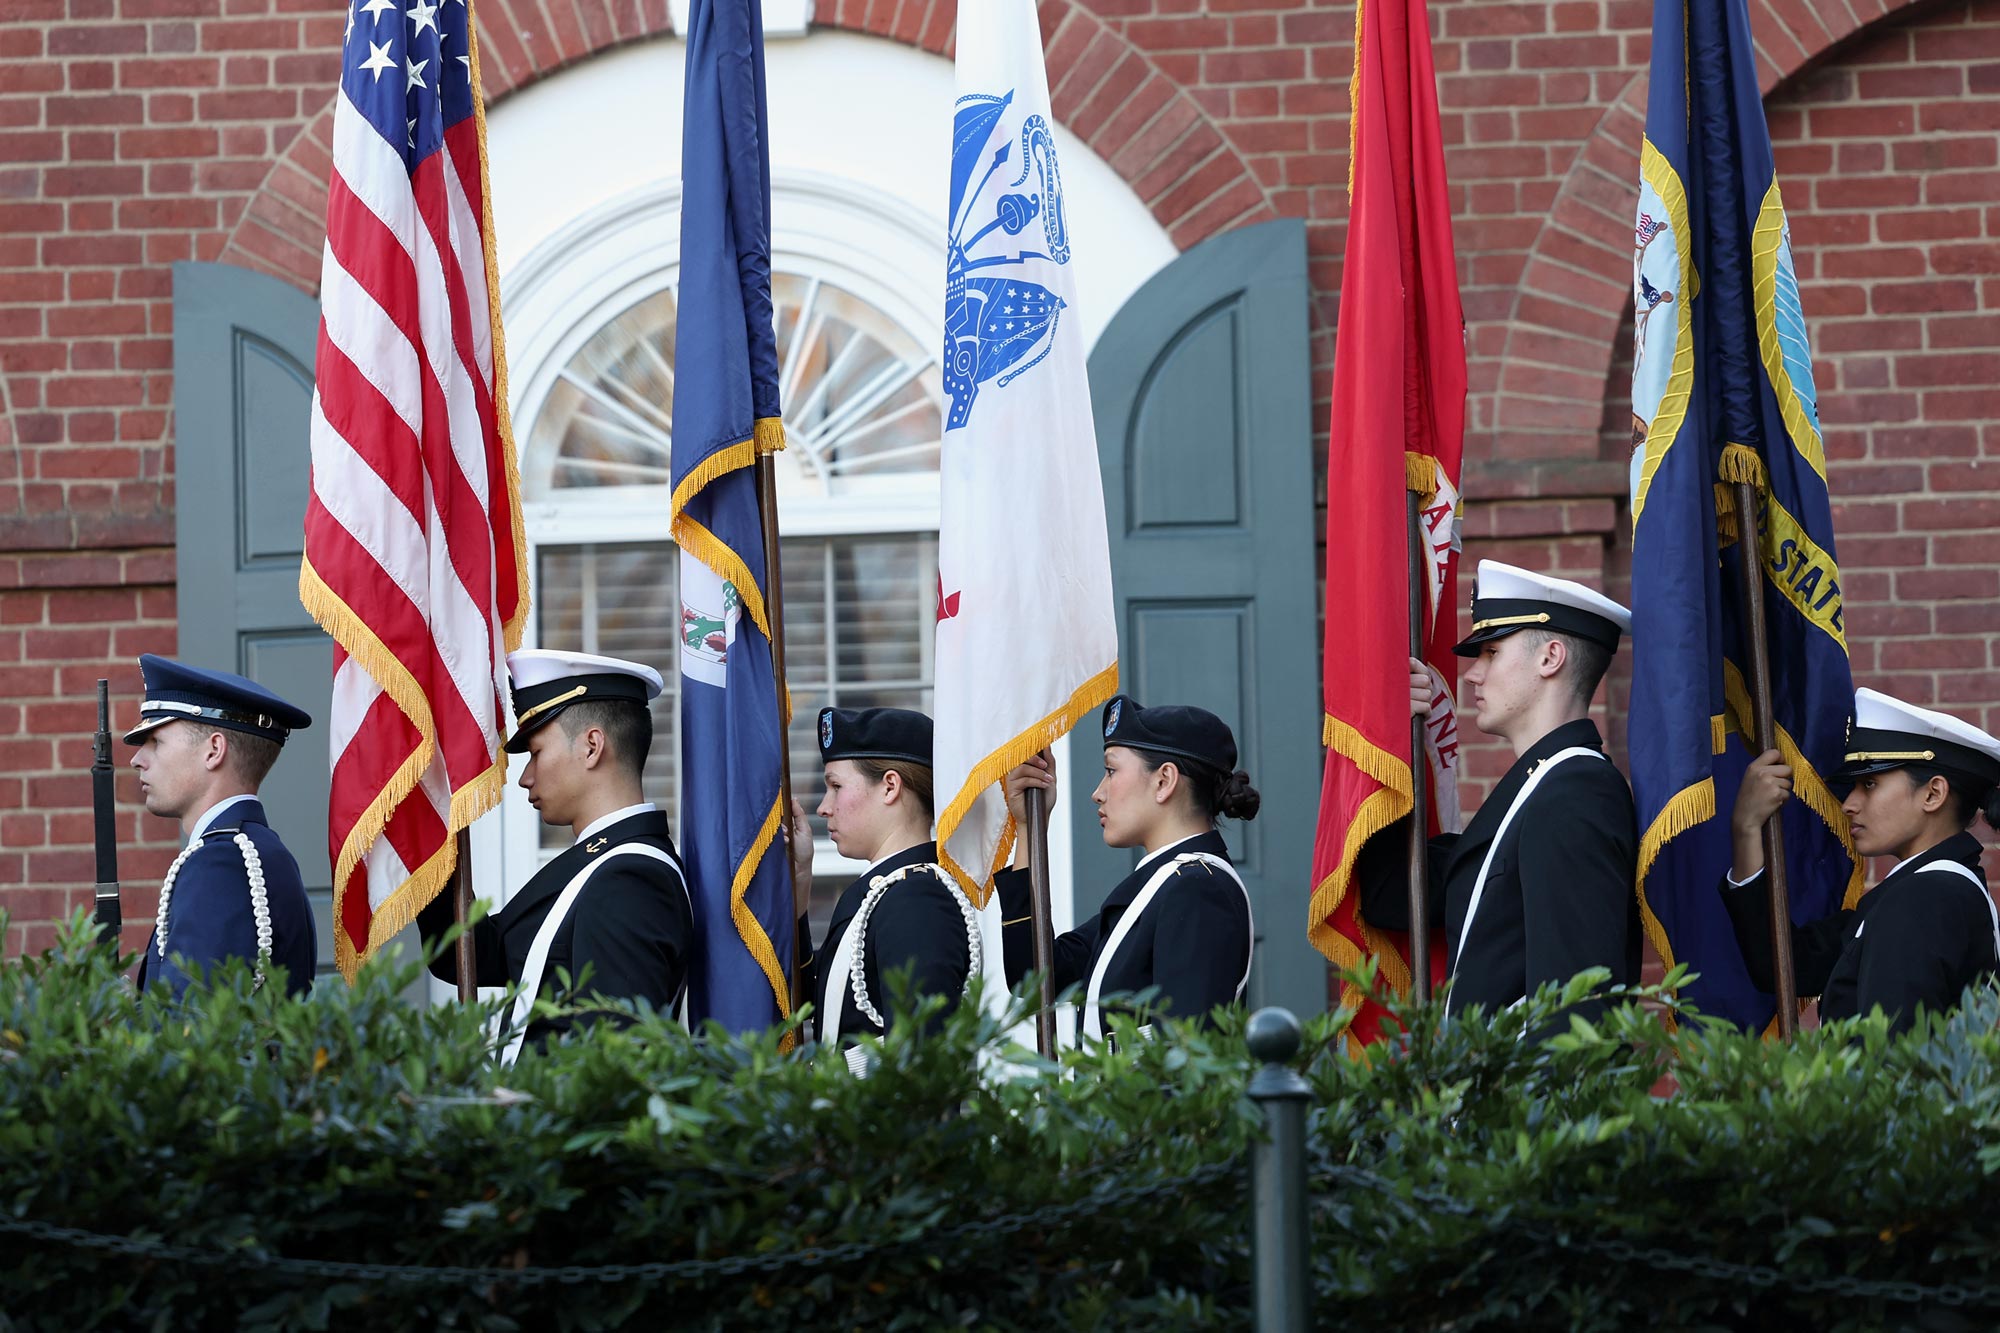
(1398, 424)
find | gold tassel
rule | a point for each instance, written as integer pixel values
(1740, 465)
(1420, 473)
(1727, 531)
(769, 433)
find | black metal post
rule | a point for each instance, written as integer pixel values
(1279, 1232)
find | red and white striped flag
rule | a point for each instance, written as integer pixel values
(414, 558)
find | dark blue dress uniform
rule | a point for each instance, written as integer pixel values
(1558, 893)
(1192, 938)
(209, 911)
(631, 923)
(633, 927)
(1192, 941)
(919, 920)
(1929, 929)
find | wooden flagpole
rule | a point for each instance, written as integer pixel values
(461, 907)
(1043, 924)
(774, 606)
(1749, 547)
(1419, 887)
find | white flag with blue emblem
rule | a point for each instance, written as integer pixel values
(1027, 642)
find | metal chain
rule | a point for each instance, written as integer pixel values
(659, 1271)
(1957, 1295)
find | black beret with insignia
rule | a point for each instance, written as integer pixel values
(874, 733)
(1178, 731)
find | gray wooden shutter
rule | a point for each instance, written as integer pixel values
(1202, 391)
(243, 384)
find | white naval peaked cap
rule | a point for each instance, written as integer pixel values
(546, 681)
(1509, 598)
(1889, 733)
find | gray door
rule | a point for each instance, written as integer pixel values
(243, 383)
(1202, 391)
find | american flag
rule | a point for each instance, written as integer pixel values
(414, 559)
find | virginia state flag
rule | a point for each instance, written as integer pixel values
(1722, 392)
(1398, 426)
(725, 414)
(1027, 642)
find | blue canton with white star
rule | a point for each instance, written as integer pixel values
(408, 69)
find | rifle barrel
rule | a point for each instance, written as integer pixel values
(103, 800)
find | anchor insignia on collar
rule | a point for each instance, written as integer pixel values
(597, 845)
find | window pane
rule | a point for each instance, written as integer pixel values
(859, 616)
(862, 396)
(621, 601)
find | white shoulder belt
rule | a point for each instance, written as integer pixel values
(1093, 1022)
(513, 1025)
(1535, 777)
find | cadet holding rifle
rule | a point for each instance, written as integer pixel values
(205, 742)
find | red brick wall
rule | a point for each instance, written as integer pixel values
(137, 132)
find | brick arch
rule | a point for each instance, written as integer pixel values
(1144, 123)
(1549, 401)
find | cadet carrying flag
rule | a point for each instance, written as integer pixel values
(414, 559)
(1026, 637)
(1722, 392)
(725, 415)
(1398, 426)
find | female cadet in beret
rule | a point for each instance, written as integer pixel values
(1180, 922)
(904, 911)
(1929, 929)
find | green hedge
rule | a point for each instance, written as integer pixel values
(241, 1151)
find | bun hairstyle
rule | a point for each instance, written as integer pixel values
(1212, 791)
(1237, 798)
(1989, 806)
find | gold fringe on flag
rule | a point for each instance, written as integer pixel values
(1420, 473)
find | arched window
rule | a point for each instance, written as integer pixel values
(858, 488)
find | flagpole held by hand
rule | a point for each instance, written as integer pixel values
(1420, 934)
(774, 602)
(1037, 834)
(461, 910)
(1757, 631)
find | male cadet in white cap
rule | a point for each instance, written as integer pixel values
(206, 740)
(1540, 885)
(1929, 929)
(616, 902)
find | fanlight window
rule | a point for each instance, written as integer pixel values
(861, 397)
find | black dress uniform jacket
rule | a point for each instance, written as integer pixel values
(209, 916)
(1192, 941)
(631, 925)
(1920, 937)
(1560, 895)
(917, 924)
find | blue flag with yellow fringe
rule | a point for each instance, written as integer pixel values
(725, 413)
(1722, 392)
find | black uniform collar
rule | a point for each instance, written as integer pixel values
(1485, 821)
(910, 856)
(242, 812)
(1961, 847)
(650, 825)
(1129, 887)
(1568, 736)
